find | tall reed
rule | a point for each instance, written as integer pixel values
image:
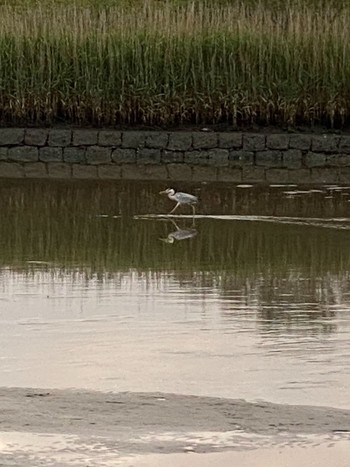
(166, 63)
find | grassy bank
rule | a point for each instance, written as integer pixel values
(170, 63)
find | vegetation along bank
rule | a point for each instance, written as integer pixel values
(172, 63)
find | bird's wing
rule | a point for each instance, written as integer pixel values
(187, 196)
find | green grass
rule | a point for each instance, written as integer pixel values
(172, 63)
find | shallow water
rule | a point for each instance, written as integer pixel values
(251, 302)
(53, 450)
(250, 299)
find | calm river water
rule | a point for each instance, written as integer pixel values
(252, 302)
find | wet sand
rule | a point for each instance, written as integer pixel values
(121, 427)
(324, 455)
(97, 413)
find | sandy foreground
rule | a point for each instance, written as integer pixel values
(66, 427)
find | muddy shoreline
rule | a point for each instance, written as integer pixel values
(60, 428)
(97, 413)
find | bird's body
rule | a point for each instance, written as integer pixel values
(179, 234)
(180, 198)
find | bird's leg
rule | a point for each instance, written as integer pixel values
(175, 224)
(178, 204)
(193, 209)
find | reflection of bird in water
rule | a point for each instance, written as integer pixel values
(180, 198)
(180, 234)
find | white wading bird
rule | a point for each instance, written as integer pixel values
(180, 198)
(180, 234)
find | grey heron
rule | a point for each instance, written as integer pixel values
(180, 198)
(180, 234)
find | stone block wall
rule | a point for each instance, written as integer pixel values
(174, 156)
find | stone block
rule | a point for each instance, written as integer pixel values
(35, 170)
(50, 154)
(148, 156)
(196, 157)
(74, 155)
(218, 157)
(338, 160)
(84, 171)
(36, 136)
(229, 174)
(179, 172)
(134, 139)
(60, 138)
(11, 136)
(268, 158)
(204, 174)
(172, 157)
(11, 170)
(292, 159)
(156, 172)
(344, 144)
(157, 140)
(253, 174)
(302, 142)
(85, 137)
(3, 154)
(124, 156)
(204, 140)
(277, 175)
(110, 138)
(332, 160)
(325, 143)
(112, 172)
(23, 154)
(240, 158)
(344, 175)
(180, 141)
(253, 142)
(324, 175)
(314, 159)
(59, 170)
(230, 140)
(96, 155)
(299, 176)
(144, 172)
(278, 141)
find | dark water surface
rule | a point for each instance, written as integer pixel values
(251, 299)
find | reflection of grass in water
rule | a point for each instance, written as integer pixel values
(58, 223)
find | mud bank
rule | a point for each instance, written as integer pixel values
(62, 428)
(95, 413)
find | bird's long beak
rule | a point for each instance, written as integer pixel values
(162, 192)
(166, 240)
